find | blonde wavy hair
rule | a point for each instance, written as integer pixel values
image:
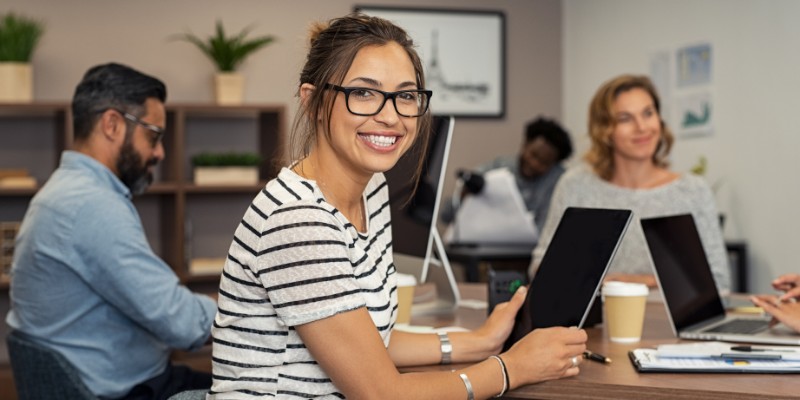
(602, 124)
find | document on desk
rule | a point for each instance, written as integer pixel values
(496, 215)
(717, 357)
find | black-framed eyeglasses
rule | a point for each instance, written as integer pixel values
(366, 101)
(158, 132)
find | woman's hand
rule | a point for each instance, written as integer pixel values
(545, 354)
(789, 283)
(787, 312)
(498, 326)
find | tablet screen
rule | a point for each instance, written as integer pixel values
(572, 269)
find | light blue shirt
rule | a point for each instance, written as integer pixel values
(85, 282)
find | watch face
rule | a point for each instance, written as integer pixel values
(446, 347)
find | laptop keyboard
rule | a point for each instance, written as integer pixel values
(744, 326)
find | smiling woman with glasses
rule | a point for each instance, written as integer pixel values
(308, 295)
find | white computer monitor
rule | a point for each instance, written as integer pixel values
(417, 246)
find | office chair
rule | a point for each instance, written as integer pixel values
(42, 373)
(199, 394)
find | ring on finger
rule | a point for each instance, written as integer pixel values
(574, 361)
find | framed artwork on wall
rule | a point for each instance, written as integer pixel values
(463, 53)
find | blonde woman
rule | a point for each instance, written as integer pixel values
(627, 167)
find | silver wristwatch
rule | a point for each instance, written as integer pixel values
(446, 347)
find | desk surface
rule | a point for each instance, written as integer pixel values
(619, 380)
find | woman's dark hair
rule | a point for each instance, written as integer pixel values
(333, 47)
(111, 86)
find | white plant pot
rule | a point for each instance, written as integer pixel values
(229, 88)
(16, 82)
(225, 175)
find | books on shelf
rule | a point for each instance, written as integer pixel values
(16, 179)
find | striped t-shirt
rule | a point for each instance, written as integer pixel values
(296, 259)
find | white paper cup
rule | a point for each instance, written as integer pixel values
(624, 305)
(405, 297)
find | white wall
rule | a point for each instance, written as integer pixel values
(756, 81)
(83, 33)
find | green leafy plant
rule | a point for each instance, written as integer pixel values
(227, 52)
(226, 160)
(18, 37)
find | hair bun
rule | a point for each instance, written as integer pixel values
(315, 30)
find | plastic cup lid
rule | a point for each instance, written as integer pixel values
(625, 289)
(406, 280)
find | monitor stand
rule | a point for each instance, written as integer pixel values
(439, 272)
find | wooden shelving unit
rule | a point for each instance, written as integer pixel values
(174, 211)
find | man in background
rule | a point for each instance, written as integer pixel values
(84, 280)
(536, 169)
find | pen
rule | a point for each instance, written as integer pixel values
(752, 349)
(596, 357)
(749, 356)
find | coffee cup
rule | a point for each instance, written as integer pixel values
(405, 297)
(624, 305)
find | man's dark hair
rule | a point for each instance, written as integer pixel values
(111, 86)
(553, 133)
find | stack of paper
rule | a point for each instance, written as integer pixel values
(497, 215)
(717, 357)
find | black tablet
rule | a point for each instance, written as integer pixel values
(572, 270)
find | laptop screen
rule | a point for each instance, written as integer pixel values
(572, 270)
(682, 269)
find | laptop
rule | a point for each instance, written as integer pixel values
(571, 272)
(694, 306)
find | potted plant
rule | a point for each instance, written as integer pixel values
(226, 168)
(227, 53)
(18, 39)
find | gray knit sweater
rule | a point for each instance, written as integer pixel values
(581, 187)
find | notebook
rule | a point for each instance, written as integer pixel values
(572, 270)
(694, 306)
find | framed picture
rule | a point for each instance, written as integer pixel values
(463, 53)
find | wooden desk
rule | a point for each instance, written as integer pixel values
(619, 380)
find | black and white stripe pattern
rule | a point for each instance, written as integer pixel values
(296, 259)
